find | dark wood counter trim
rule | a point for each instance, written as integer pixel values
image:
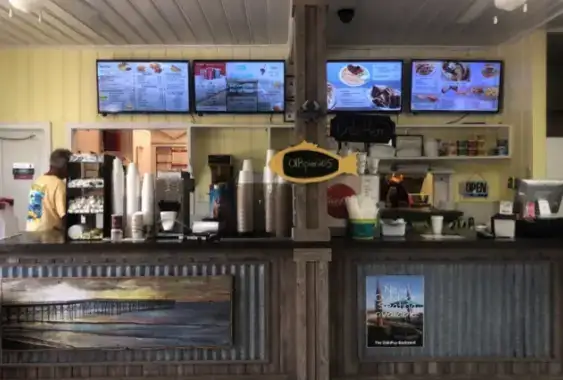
(23, 246)
(125, 372)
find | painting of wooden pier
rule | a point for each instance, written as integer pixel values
(144, 312)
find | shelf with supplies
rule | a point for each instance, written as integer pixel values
(446, 158)
(450, 126)
(451, 142)
(88, 197)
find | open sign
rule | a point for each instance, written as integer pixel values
(476, 189)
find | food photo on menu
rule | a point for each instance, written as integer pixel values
(135, 86)
(239, 87)
(456, 86)
(364, 86)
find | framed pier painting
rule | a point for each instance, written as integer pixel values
(126, 313)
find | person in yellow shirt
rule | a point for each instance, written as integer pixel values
(47, 199)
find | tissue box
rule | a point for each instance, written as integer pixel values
(503, 226)
(337, 190)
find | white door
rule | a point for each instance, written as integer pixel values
(21, 146)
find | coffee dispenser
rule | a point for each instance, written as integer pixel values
(172, 202)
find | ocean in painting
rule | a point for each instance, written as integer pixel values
(98, 313)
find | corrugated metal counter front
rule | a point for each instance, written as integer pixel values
(471, 310)
(256, 291)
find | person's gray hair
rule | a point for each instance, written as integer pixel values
(60, 158)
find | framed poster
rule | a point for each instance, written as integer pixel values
(394, 311)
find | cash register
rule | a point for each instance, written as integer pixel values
(538, 206)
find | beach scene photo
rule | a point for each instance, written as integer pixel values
(394, 311)
(144, 312)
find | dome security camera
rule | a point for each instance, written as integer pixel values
(346, 15)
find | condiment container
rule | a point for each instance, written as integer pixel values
(394, 228)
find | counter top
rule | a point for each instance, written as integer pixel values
(52, 243)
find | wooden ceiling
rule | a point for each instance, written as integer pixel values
(261, 22)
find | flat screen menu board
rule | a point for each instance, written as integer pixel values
(143, 86)
(239, 87)
(369, 86)
(456, 86)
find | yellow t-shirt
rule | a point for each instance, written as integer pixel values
(46, 206)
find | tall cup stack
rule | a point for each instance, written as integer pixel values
(284, 208)
(245, 199)
(132, 195)
(118, 199)
(269, 180)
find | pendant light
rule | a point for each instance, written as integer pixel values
(26, 6)
(509, 5)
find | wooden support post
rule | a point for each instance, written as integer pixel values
(309, 53)
(312, 342)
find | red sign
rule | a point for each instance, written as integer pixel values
(210, 70)
(336, 195)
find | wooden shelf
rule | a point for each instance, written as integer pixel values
(450, 126)
(448, 158)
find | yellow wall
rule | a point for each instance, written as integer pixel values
(58, 85)
(524, 106)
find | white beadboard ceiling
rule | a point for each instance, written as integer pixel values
(148, 22)
(436, 22)
(264, 22)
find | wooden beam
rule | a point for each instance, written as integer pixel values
(309, 54)
(312, 343)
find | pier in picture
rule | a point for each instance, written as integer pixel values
(143, 312)
(394, 311)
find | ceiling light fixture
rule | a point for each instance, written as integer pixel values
(509, 5)
(26, 6)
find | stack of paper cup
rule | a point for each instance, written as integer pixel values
(137, 226)
(269, 201)
(270, 153)
(247, 165)
(269, 179)
(245, 198)
(283, 208)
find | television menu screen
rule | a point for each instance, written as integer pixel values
(371, 86)
(239, 87)
(456, 86)
(143, 86)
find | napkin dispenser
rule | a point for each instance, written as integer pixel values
(503, 226)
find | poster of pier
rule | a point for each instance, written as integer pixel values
(126, 313)
(394, 311)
